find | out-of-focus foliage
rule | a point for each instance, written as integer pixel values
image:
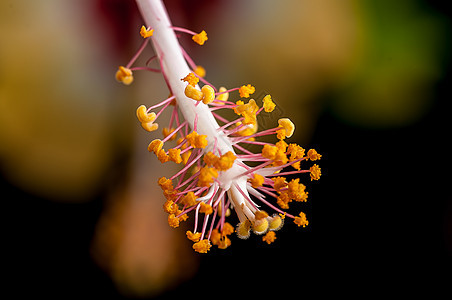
(403, 49)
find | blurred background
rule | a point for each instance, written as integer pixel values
(366, 82)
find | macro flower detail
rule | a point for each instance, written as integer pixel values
(218, 173)
(145, 33)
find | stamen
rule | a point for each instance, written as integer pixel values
(215, 179)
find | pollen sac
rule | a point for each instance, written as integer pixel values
(174, 155)
(145, 33)
(257, 180)
(150, 126)
(269, 105)
(124, 75)
(315, 172)
(208, 94)
(191, 79)
(202, 246)
(246, 90)
(269, 238)
(173, 221)
(146, 119)
(200, 38)
(194, 237)
(313, 155)
(193, 93)
(224, 96)
(155, 146)
(288, 126)
(207, 176)
(301, 220)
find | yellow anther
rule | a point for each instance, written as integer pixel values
(173, 221)
(297, 190)
(269, 151)
(191, 138)
(275, 222)
(248, 111)
(269, 105)
(194, 237)
(315, 172)
(208, 94)
(280, 158)
(260, 226)
(269, 238)
(174, 155)
(205, 208)
(189, 199)
(301, 220)
(243, 229)
(281, 134)
(279, 183)
(165, 184)
(191, 79)
(283, 200)
(155, 146)
(250, 119)
(146, 119)
(162, 156)
(227, 229)
(145, 33)
(210, 159)
(196, 140)
(288, 126)
(124, 75)
(225, 161)
(296, 152)
(193, 93)
(200, 71)
(183, 217)
(201, 141)
(240, 108)
(168, 190)
(257, 180)
(170, 207)
(200, 38)
(252, 106)
(207, 176)
(282, 146)
(246, 90)
(313, 155)
(223, 97)
(150, 126)
(202, 246)
(143, 116)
